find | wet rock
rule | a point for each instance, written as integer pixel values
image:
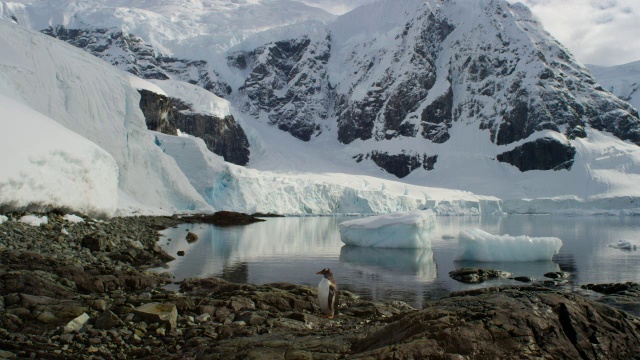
(475, 276)
(191, 237)
(557, 275)
(222, 218)
(616, 288)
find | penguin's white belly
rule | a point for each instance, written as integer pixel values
(323, 295)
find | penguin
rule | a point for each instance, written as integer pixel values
(327, 293)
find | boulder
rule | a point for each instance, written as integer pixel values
(166, 314)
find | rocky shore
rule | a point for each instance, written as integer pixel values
(78, 288)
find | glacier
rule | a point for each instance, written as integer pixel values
(90, 102)
(479, 245)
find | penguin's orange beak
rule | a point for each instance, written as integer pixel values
(319, 272)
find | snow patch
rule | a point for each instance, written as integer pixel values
(3, 219)
(33, 220)
(141, 84)
(479, 245)
(409, 229)
(73, 218)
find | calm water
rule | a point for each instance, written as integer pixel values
(293, 249)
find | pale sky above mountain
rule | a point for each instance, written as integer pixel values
(599, 32)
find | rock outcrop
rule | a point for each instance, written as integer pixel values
(513, 322)
(130, 53)
(222, 135)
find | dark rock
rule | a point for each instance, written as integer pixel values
(222, 218)
(616, 288)
(191, 237)
(108, 320)
(402, 165)
(475, 276)
(498, 324)
(130, 53)
(541, 154)
(156, 109)
(180, 253)
(437, 118)
(557, 275)
(94, 242)
(288, 81)
(223, 136)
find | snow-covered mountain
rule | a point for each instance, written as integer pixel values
(442, 94)
(621, 80)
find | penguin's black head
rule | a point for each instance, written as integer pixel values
(326, 272)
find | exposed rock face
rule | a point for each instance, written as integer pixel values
(400, 165)
(156, 109)
(541, 154)
(130, 53)
(288, 80)
(500, 323)
(223, 136)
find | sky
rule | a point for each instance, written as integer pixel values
(597, 32)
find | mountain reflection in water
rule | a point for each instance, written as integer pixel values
(293, 249)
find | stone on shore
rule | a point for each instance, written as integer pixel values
(166, 314)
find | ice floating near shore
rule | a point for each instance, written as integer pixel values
(479, 245)
(408, 229)
(624, 245)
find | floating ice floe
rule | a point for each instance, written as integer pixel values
(624, 245)
(408, 229)
(479, 245)
(34, 220)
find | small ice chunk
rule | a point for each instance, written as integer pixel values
(3, 219)
(624, 245)
(479, 245)
(407, 229)
(73, 218)
(33, 220)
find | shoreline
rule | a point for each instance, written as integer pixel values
(84, 290)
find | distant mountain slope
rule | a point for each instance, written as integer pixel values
(622, 80)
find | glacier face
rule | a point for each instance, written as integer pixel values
(96, 102)
(449, 94)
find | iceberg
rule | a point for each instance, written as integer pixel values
(406, 229)
(624, 245)
(479, 245)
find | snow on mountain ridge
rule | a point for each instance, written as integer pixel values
(622, 80)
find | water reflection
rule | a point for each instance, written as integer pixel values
(294, 249)
(392, 262)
